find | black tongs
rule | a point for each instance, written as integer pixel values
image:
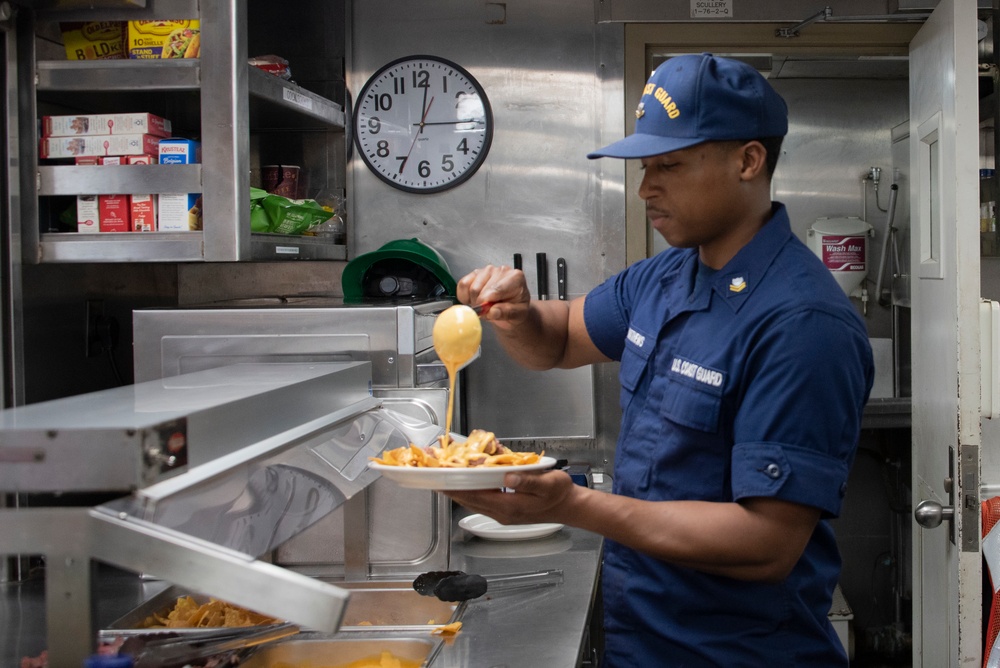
(179, 651)
(461, 586)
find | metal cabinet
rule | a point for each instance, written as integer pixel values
(218, 96)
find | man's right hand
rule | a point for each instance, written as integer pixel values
(504, 286)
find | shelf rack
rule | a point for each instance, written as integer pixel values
(242, 99)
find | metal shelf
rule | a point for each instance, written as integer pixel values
(279, 104)
(244, 100)
(284, 247)
(118, 179)
(122, 247)
(175, 247)
(118, 75)
(274, 102)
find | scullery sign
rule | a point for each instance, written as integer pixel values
(711, 9)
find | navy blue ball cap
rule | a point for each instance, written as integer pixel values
(692, 99)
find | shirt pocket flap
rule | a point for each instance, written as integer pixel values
(694, 396)
(635, 357)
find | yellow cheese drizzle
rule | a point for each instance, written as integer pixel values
(457, 334)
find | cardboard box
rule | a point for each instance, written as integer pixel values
(143, 213)
(179, 211)
(88, 215)
(100, 160)
(102, 145)
(144, 207)
(163, 39)
(177, 151)
(114, 213)
(94, 40)
(105, 124)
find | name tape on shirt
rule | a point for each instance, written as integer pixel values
(697, 372)
(635, 337)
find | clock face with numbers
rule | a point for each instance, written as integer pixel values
(423, 124)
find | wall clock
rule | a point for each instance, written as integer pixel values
(423, 124)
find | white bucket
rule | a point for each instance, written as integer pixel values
(842, 245)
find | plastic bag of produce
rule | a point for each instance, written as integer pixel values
(259, 220)
(293, 216)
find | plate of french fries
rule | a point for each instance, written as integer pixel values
(477, 462)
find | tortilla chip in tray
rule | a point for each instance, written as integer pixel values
(154, 615)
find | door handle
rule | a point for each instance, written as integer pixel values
(930, 514)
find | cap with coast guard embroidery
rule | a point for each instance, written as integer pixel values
(692, 99)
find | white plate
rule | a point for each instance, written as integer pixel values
(489, 528)
(482, 477)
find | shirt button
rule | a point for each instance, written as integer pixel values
(773, 471)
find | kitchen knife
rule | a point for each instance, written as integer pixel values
(543, 276)
(561, 278)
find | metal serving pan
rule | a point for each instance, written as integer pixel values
(373, 607)
(345, 648)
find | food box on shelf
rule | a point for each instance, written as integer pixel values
(114, 213)
(144, 207)
(94, 40)
(114, 209)
(88, 214)
(179, 211)
(143, 213)
(105, 124)
(71, 147)
(164, 39)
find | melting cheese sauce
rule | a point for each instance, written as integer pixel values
(457, 334)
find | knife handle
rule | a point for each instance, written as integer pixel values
(543, 275)
(517, 260)
(561, 278)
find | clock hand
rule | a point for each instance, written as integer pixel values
(424, 108)
(469, 120)
(414, 142)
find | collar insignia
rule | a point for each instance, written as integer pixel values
(640, 111)
(738, 284)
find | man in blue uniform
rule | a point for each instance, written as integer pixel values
(744, 372)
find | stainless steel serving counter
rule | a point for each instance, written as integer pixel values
(549, 627)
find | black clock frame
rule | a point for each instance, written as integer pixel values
(487, 142)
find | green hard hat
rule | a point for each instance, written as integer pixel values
(401, 253)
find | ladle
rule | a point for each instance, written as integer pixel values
(457, 334)
(481, 309)
(461, 586)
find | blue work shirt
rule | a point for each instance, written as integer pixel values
(752, 385)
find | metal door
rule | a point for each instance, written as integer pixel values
(945, 295)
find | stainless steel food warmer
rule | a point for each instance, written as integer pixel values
(388, 530)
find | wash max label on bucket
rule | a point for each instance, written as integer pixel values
(842, 253)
